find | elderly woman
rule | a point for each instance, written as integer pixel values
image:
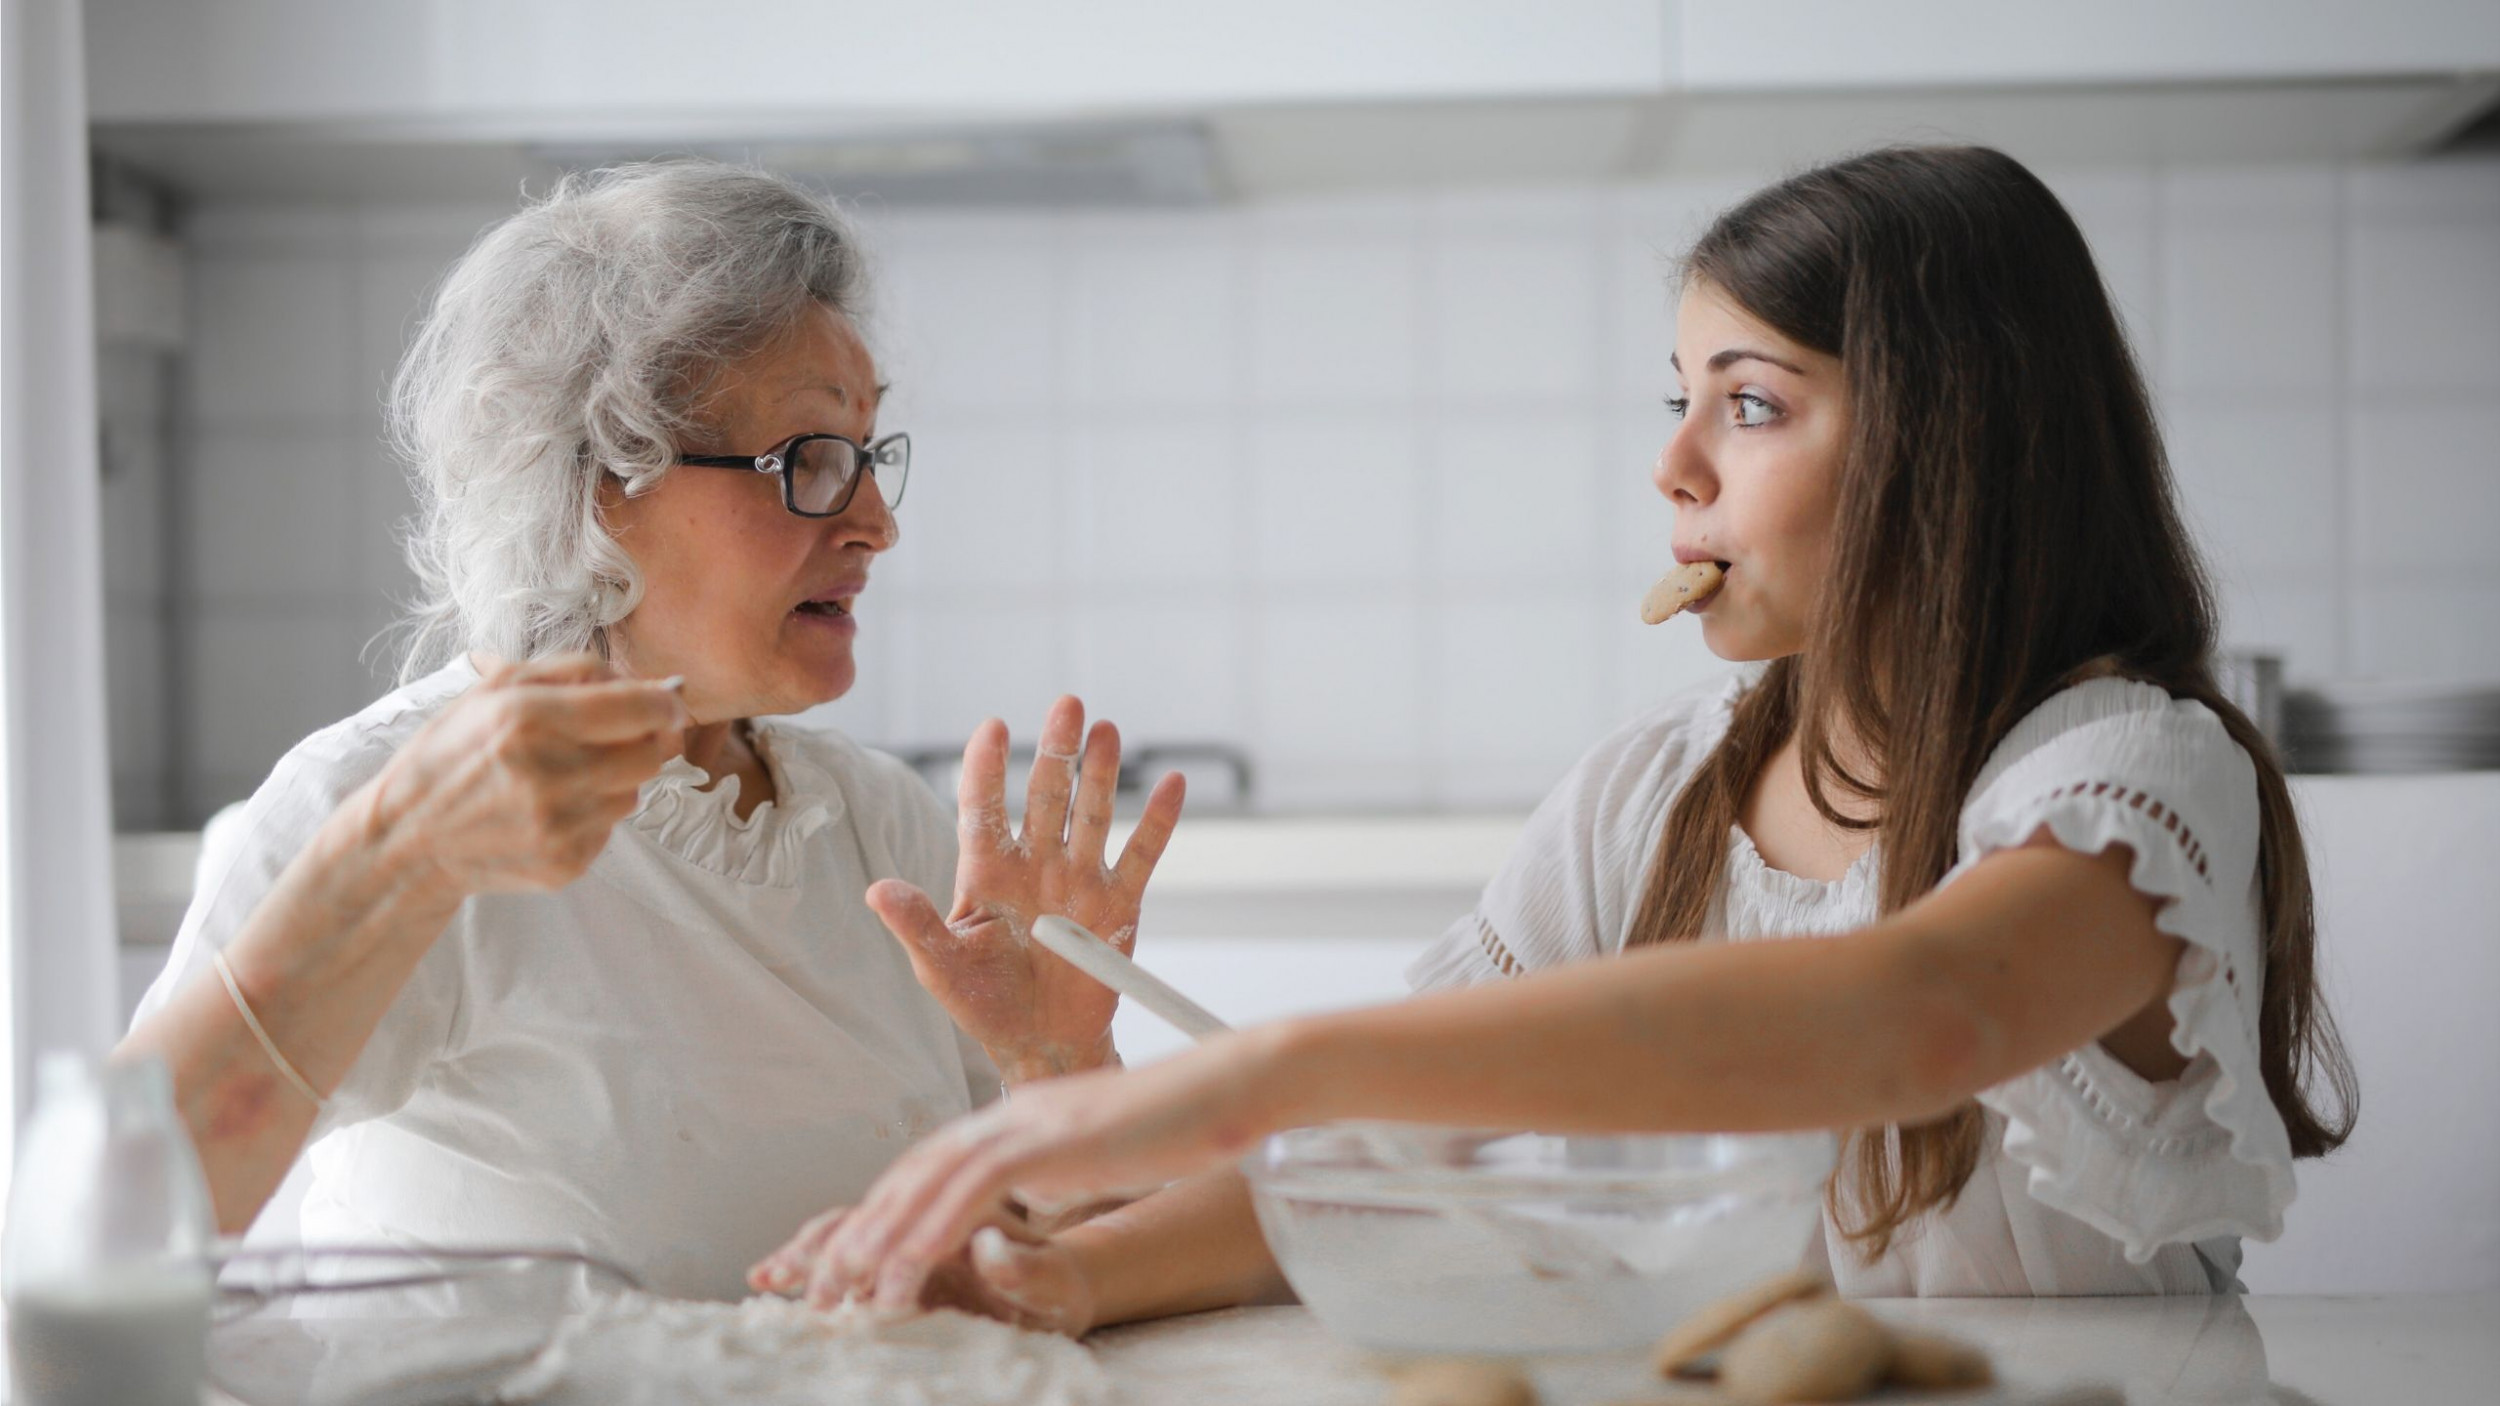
(567, 941)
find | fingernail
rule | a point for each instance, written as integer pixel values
(989, 1250)
(675, 684)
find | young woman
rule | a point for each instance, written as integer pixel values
(2060, 984)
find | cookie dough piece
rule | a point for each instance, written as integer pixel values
(1717, 1324)
(1462, 1384)
(1689, 584)
(1933, 1362)
(1820, 1350)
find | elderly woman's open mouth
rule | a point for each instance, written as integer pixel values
(830, 609)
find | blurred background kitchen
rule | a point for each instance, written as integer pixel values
(1283, 379)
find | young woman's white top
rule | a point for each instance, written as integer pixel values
(671, 1061)
(2096, 1181)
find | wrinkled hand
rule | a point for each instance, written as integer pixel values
(1006, 1271)
(1086, 1135)
(517, 784)
(1036, 1015)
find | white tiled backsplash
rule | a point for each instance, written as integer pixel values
(1362, 484)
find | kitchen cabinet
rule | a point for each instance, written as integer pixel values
(1816, 44)
(1189, 103)
(557, 68)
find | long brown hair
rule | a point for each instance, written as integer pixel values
(2006, 525)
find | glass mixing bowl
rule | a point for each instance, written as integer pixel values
(1405, 1239)
(383, 1326)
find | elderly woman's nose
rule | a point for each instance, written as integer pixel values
(868, 522)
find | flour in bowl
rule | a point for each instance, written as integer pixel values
(634, 1349)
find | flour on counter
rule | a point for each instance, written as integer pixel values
(773, 1352)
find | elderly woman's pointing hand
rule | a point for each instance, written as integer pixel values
(519, 782)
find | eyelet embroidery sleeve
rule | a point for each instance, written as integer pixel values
(2117, 763)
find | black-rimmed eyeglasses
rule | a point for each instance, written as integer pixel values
(820, 473)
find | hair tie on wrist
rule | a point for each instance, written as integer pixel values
(252, 1023)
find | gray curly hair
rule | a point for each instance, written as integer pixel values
(574, 340)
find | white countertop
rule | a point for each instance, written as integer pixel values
(2412, 1350)
(2396, 1350)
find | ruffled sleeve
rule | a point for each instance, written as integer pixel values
(1571, 885)
(2112, 762)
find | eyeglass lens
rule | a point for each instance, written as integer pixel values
(822, 473)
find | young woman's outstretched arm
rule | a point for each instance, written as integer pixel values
(2037, 950)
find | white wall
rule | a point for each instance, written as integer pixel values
(1363, 484)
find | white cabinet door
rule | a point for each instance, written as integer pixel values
(2409, 952)
(1822, 44)
(578, 69)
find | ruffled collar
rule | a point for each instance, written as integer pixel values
(703, 827)
(1746, 866)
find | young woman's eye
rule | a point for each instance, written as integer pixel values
(1752, 411)
(1677, 405)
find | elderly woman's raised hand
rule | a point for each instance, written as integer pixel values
(1035, 1014)
(517, 784)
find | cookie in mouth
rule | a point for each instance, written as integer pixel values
(1687, 585)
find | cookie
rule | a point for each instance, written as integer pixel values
(1820, 1350)
(1933, 1362)
(1462, 1384)
(1717, 1324)
(1689, 584)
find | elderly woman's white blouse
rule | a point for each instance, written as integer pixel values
(671, 1062)
(2095, 1181)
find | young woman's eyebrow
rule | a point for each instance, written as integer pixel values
(1722, 360)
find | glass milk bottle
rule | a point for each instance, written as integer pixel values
(106, 1263)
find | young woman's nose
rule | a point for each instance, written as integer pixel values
(1682, 473)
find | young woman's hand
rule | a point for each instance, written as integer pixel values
(1036, 1015)
(1007, 1271)
(518, 782)
(1063, 1140)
